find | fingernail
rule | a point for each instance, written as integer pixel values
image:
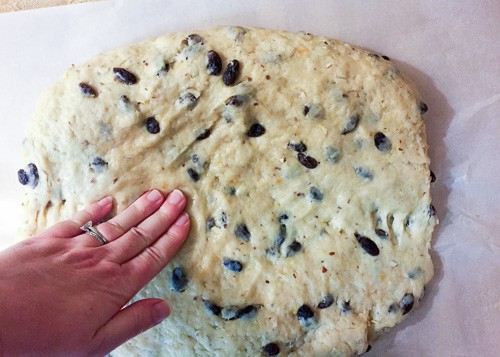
(154, 196)
(182, 220)
(160, 311)
(104, 201)
(175, 197)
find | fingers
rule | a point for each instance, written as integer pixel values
(154, 258)
(142, 208)
(147, 232)
(129, 322)
(71, 228)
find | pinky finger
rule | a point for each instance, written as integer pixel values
(71, 227)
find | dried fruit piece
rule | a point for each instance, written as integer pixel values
(423, 107)
(346, 307)
(193, 174)
(271, 349)
(164, 69)
(178, 280)
(299, 147)
(293, 249)
(194, 39)
(187, 100)
(432, 211)
(236, 100)
(406, 303)
(204, 134)
(433, 177)
(315, 194)
(381, 233)
(231, 73)
(210, 223)
(350, 125)
(233, 265)
(215, 309)
(307, 161)
(152, 125)
(98, 164)
(87, 90)
(256, 130)
(242, 232)
(363, 173)
(332, 154)
(367, 244)
(247, 312)
(306, 316)
(124, 76)
(29, 176)
(214, 63)
(327, 301)
(382, 142)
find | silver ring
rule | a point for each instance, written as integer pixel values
(89, 229)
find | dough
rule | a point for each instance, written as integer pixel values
(304, 162)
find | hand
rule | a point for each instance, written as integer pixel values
(62, 293)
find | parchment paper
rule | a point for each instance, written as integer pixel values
(450, 49)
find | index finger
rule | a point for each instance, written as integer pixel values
(152, 260)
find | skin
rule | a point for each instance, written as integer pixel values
(63, 294)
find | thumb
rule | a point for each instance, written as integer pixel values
(129, 322)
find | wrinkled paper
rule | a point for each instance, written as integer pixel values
(449, 49)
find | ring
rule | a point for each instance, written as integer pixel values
(89, 229)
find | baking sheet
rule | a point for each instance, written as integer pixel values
(450, 49)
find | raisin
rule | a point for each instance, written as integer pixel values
(374, 55)
(178, 280)
(215, 309)
(33, 174)
(346, 307)
(124, 76)
(369, 346)
(98, 164)
(210, 223)
(195, 176)
(299, 147)
(87, 90)
(194, 39)
(327, 301)
(271, 349)
(381, 233)
(283, 217)
(433, 177)
(315, 194)
(367, 244)
(223, 219)
(188, 100)
(423, 107)
(406, 303)
(164, 69)
(305, 316)
(247, 312)
(195, 159)
(386, 58)
(306, 110)
(230, 190)
(363, 173)
(350, 125)
(307, 161)
(332, 154)
(281, 237)
(204, 134)
(432, 211)
(242, 232)
(22, 176)
(214, 63)
(231, 72)
(152, 125)
(393, 308)
(235, 100)
(256, 130)
(232, 265)
(382, 142)
(293, 248)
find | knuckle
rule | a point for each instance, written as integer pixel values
(154, 254)
(113, 225)
(141, 233)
